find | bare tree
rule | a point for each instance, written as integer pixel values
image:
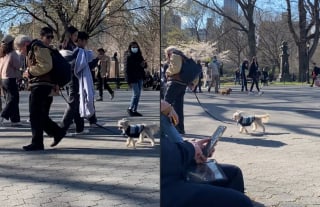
(307, 36)
(88, 15)
(249, 27)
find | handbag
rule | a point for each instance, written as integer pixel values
(207, 172)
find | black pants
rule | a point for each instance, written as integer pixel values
(39, 107)
(175, 96)
(219, 194)
(11, 94)
(72, 112)
(255, 81)
(102, 83)
(244, 83)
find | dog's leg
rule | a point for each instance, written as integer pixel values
(128, 141)
(245, 129)
(151, 141)
(141, 138)
(241, 129)
(133, 143)
(254, 126)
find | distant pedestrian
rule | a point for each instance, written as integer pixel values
(244, 67)
(134, 65)
(103, 74)
(254, 74)
(237, 77)
(214, 74)
(315, 73)
(10, 74)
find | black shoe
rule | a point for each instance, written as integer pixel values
(58, 139)
(135, 113)
(33, 147)
(130, 112)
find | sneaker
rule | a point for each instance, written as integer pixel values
(260, 93)
(57, 139)
(85, 131)
(135, 113)
(33, 147)
(112, 95)
(130, 112)
(250, 93)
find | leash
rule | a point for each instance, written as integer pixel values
(98, 125)
(210, 115)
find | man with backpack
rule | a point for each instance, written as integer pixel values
(39, 62)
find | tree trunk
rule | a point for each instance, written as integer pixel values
(303, 62)
(252, 40)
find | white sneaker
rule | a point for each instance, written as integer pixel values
(85, 131)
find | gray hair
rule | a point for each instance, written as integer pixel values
(170, 49)
(21, 40)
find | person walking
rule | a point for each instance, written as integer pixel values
(254, 74)
(214, 74)
(315, 73)
(134, 65)
(39, 65)
(103, 73)
(72, 113)
(244, 67)
(9, 71)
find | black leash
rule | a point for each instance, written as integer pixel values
(98, 125)
(205, 110)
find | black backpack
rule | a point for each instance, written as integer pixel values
(60, 73)
(190, 70)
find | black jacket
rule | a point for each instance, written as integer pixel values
(133, 67)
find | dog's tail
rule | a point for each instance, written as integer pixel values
(264, 118)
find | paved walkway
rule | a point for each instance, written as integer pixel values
(88, 170)
(282, 167)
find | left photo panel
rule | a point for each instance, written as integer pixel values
(80, 103)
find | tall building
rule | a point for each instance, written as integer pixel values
(230, 7)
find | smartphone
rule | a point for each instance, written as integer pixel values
(214, 139)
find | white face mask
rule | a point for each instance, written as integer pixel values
(134, 49)
(18, 52)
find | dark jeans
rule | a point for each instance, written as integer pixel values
(39, 107)
(11, 94)
(72, 112)
(223, 194)
(244, 83)
(102, 83)
(175, 96)
(255, 81)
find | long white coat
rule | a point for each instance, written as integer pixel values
(86, 88)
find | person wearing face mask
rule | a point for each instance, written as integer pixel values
(134, 65)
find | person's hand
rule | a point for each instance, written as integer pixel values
(173, 116)
(198, 147)
(25, 74)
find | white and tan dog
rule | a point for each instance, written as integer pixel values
(255, 121)
(139, 131)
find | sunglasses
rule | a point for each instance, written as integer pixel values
(49, 36)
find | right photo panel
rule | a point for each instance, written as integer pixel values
(239, 114)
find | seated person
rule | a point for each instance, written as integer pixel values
(176, 156)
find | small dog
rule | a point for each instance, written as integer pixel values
(137, 131)
(255, 121)
(225, 91)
